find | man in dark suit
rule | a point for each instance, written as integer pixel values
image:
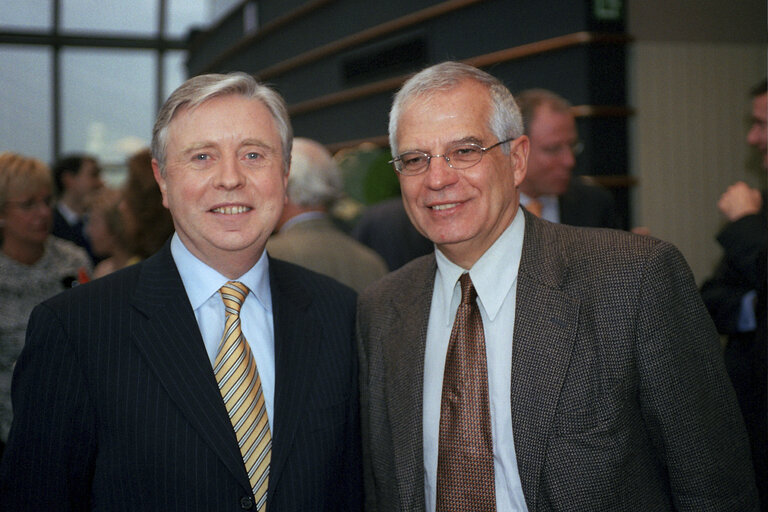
(593, 380)
(124, 396)
(77, 178)
(735, 294)
(550, 190)
(385, 228)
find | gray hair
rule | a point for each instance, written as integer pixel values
(505, 120)
(530, 100)
(199, 89)
(315, 178)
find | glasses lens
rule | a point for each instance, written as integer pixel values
(413, 162)
(465, 156)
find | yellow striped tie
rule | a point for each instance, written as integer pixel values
(240, 387)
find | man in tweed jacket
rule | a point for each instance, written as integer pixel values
(607, 390)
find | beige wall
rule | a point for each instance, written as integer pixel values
(688, 134)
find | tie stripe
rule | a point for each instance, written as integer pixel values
(240, 387)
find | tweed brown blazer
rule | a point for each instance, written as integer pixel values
(619, 396)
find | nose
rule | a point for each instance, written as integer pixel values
(439, 174)
(230, 175)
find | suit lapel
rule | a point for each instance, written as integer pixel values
(406, 344)
(546, 321)
(295, 351)
(168, 336)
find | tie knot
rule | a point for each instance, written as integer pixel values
(468, 292)
(233, 294)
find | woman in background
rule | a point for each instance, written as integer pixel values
(106, 231)
(34, 265)
(148, 224)
(133, 224)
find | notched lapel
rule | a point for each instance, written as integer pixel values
(166, 333)
(295, 352)
(404, 348)
(546, 324)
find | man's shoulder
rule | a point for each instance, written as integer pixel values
(296, 278)
(586, 251)
(411, 276)
(110, 288)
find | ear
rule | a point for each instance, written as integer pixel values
(285, 182)
(161, 181)
(518, 154)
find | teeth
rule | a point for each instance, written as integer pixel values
(231, 210)
(444, 206)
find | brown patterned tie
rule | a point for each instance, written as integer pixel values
(465, 475)
(240, 387)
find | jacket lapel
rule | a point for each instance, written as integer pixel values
(546, 321)
(166, 333)
(406, 344)
(295, 352)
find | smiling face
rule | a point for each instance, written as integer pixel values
(462, 211)
(224, 182)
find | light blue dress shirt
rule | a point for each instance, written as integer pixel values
(494, 276)
(202, 284)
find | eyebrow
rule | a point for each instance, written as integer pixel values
(197, 146)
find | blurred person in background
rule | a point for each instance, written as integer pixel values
(148, 224)
(735, 295)
(106, 230)
(550, 190)
(33, 264)
(77, 178)
(307, 236)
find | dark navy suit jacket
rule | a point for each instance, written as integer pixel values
(117, 407)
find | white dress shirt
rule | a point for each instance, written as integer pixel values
(550, 207)
(202, 284)
(494, 276)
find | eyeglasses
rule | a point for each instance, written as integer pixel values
(462, 156)
(575, 149)
(30, 204)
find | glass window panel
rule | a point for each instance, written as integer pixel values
(108, 102)
(186, 14)
(223, 7)
(175, 70)
(25, 102)
(27, 14)
(113, 17)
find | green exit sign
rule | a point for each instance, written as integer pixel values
(607, 10)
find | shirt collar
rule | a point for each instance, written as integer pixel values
(302, 217)
(493, 275)
(201, 281)
(68, 213)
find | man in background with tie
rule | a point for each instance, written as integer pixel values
(78, 178)
(550, 190)
(209, 376)
(527, 365)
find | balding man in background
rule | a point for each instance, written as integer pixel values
(550, 190)
(306, 234)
